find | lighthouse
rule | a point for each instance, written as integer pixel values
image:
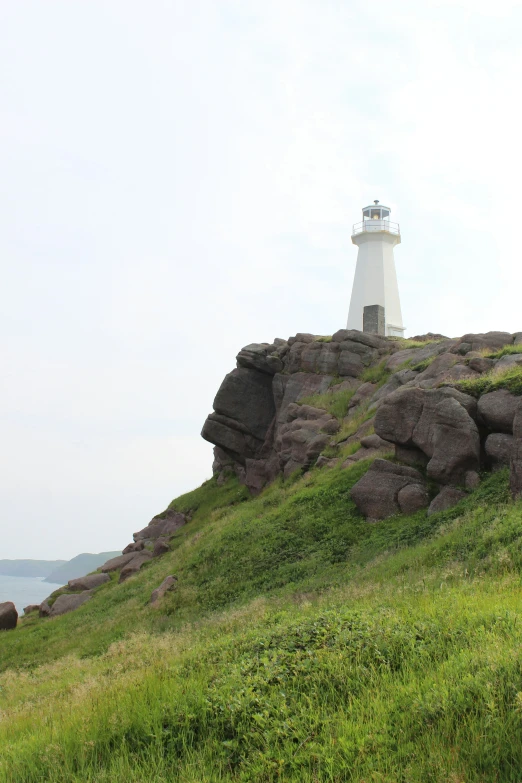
(375, 305)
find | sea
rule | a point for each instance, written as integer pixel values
(25, 590)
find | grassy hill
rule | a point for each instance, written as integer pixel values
(302, 644)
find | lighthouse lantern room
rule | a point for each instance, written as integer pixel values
(375, 305)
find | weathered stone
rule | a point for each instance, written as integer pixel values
(438, 423)
(325, 462)
(496, 410)
(88, 582)
(136, 546)
(8, 616)
(350, 364)
(515, 478)
(415, 355)
(134, 565)
(447, 498)
(491, 340)
(472, 480)
(169, 583)
(480, 364)
(498, 449)
(376, 494)
(257, 357)
(411, 456)
(31, 608)
(44, 609)
(371, 340)
(511, 360)
(375, 442)
(162, 525)
(413, 498)
(117, 562)
(68, 603)
(161, 547)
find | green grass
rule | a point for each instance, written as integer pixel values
(507, 350)
(509, 379)
(352, 424)
(302, 644)
(421, 366)
(377, 374)
(404, 342)
(323, 339)
(334, 402)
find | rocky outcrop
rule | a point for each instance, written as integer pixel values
(8, 616)
(388, 489)
(88, 582)
(169, 583)
(497, 409)
(516, 455)
(68, 603)
(162, 525)
(498, 448)
(134, 565)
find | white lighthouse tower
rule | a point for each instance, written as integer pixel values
(375, 305)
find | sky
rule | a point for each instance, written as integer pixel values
(180, 179)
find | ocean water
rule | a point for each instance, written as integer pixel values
(25, 590)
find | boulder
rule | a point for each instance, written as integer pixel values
(496, 410)
(511, 360)
(498, 449)
(161, 547)
(480, 364)
(169, 583)
(44, 610)
(325, 462)
(8, 616)
(68, 603)
(376, 495)
(134, 565)
(135, 546)
(436, 421)
(117, 562)
(259, 356)
(491, 340)
(447, 498)
(516, 455)
(31, 608)
(162, 525)
(375, 442)
(88, 582)
(413, 498)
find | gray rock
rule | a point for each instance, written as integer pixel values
(136, 546)
(363, 338)
(161, 547)
(491, 340)
(438, 422)
(472, 480)
(350, 364)
(363, 393)
(375, 442)
(44, 609)
(169, 583)
(8, 616)
(413, 498)
(31, 608)
(515, 478)
(511, 360)
(416, 355)
(162, 525)
(68, 603)
(480, 364)
(325, 462)
(117, 562)
(517, 338)
(257, 357)
(496, 410)
(376, 495)
(88, 582)
(134, 565)
(411, 456)
(447, 498)
(498, 448)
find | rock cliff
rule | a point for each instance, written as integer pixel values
(442, 409)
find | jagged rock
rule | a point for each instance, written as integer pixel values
(438, 422)
(497, 410)
(304, 435)
(447, 498)
(68, 603)
(136, 546)
(88, 582)
(117, 562)
(259, 357)
(162, 525)
(169, 583)
(134, 565)
(515, 478)
(44, 609)
(31, 608)
(376, 495)
(498, 448)
(8, 616)
(161, 547)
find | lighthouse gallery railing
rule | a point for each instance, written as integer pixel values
(376, 225)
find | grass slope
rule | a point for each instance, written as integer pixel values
(302, 644)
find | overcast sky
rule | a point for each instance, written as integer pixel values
(180, 178)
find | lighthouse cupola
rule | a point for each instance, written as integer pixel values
(375, 305)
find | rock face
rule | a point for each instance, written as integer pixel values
(162, 525)
(88, 582)
(447, 498)
(438, 424)
(516, 455)
(68, 603)
(388, 489)
(8, 616)
(31, 608)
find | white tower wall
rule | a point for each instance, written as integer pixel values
(375, 281)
